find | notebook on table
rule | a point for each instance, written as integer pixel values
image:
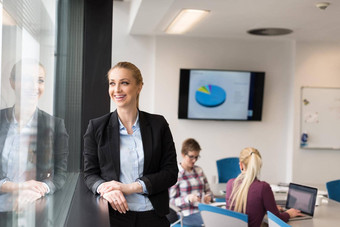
(303, 198)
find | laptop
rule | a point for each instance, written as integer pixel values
(303, 198)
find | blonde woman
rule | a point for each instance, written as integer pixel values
(247, 194)
(129, 155)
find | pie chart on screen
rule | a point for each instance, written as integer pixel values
(210, 95)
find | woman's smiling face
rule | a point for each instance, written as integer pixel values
(123, 87)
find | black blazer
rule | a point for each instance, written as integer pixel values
(49, 145)
(102, 156)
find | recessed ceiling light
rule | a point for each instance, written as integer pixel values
(185, 20)
(322, 5)
(270, 31)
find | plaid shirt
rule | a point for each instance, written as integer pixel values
(194, 182)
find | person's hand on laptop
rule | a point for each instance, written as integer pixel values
(294, 212)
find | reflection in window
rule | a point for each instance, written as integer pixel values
(33, 143)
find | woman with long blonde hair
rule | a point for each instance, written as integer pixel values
(247, 194)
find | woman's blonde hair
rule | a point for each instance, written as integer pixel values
(252, 162)
(135, 73)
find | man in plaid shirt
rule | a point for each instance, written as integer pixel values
(192, 185)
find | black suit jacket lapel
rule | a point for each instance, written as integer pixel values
(4, 121)
(113, 138)
(146, 139)
(43, 144)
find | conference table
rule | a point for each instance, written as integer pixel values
(327, 213)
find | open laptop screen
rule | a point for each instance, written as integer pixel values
(301, 197)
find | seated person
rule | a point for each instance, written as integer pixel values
(34, 144)
(192, 186)
(246, 194)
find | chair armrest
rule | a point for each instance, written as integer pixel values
(175, 208)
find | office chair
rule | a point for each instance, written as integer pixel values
(274, 221)
(333, 189)
(175, 217)
(215, 216)
(227, 168)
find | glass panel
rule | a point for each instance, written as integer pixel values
(33, 142)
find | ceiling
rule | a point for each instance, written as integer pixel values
(233, 18)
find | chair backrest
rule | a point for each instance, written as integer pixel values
(215, 216)
(333, 189)
(274, 221)
(173, 217)
(219, 200)
(227, 168)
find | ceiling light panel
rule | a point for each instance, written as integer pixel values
(185, 20)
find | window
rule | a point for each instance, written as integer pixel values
(37, 123)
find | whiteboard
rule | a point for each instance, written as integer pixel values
(320, 118)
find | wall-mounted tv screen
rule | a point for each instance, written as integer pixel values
(220, 95)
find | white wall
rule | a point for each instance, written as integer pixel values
(220, 139)
(160, 59)
(288, 66)
(317, 64)
(136, 49)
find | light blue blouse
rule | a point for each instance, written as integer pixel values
(132, 164)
